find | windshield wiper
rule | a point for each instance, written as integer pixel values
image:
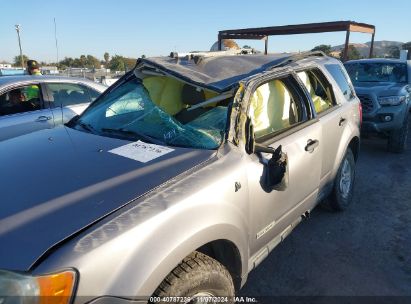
(129, 133)
(86, 126)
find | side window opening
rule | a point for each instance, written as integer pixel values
(341, 79)
(318, 88)
(275, 106)
(68, 94)
(20, 100)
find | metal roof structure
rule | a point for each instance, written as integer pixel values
(219, 72)
(262, 33)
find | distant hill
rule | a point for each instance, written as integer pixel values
(380, 47)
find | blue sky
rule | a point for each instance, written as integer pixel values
(154, 27)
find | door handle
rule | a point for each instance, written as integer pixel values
(342, 121)
(311, 145)
(43, 118)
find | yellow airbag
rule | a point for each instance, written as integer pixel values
(269, 108)
(165, 92)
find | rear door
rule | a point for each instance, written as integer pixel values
(67, 100)
(332, 113)
(22, 110)
(282, 115)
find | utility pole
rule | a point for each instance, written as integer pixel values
(21, 52)
(55, 37)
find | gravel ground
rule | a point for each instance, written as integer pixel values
(364, 251)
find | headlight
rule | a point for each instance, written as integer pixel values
(391, 100)
(56, 288)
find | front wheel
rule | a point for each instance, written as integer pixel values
(197, 279)
(342, 193)
(397, 140)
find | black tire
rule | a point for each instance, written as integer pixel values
(340, 198)
(397, 140)
(197, 274)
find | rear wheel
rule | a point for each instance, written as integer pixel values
(397, 140)
(197, 279)
(342, 193)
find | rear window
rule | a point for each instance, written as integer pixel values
(341, 79)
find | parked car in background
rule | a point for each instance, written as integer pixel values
(31, 103)
(11, 71)
(181, 178)
(384, 88)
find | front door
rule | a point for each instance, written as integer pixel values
(281, 114)
(22, 111)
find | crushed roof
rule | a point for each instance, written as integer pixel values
(219, 73)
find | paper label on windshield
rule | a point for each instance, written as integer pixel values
(141, 151)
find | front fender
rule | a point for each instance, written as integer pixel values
(136, 262)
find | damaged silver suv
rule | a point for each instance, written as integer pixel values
(178, 180)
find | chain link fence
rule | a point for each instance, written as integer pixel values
(97, 75)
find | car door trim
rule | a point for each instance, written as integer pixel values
(289, 131)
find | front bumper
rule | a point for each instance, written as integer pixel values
(377, 123)
(378, 119)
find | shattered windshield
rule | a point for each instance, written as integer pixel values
(377, 72)
(128, 112)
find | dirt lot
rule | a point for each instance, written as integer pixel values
(364, 251)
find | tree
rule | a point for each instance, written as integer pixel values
(117, 63)
(352, 53)
(92, 62)
(106, 58)
(323, 48)
(120, 63)
(129, 63)
(83, 61)
(17, 60)
(67, 62)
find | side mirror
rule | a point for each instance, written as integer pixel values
(275, 170)
(275, 176)
(275, 173)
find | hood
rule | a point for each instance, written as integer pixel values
(55, 182)
(379, 88)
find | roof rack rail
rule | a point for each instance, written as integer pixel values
(298, 56)
(198, 56)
